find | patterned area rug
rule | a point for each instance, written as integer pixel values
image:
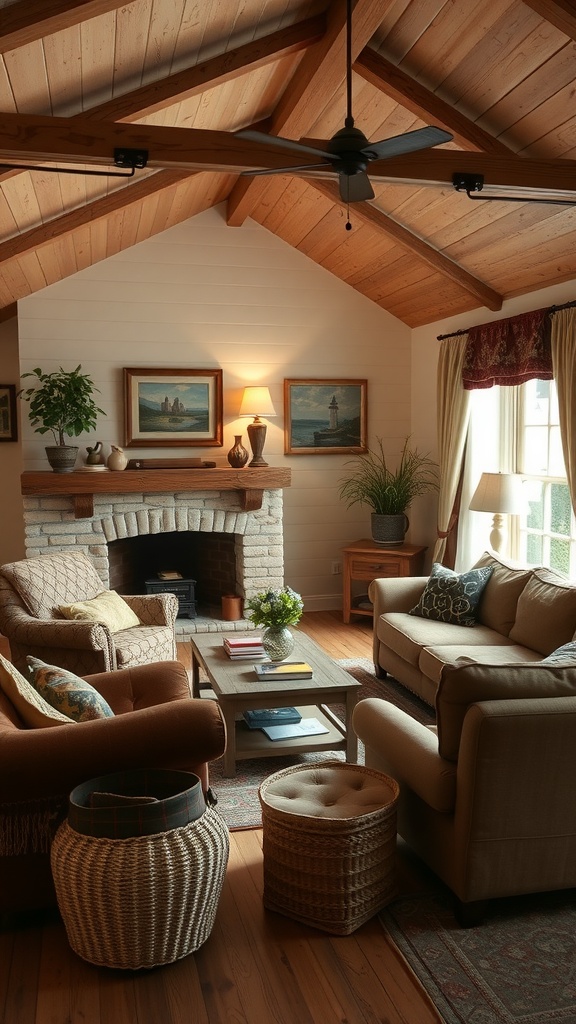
(238, 801)
(517, 967)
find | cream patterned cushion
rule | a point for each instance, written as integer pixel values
(32, 708)
(108, 608)
(67, 692)
(450, 597)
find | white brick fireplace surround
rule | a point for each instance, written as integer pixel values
(64, 511)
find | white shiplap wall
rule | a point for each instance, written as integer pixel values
(203, 295)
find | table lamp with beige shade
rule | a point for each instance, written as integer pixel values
(501, 494)
(256, 401)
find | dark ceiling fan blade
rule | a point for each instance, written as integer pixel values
(277, 140)
(285, 170)
(421, 138)
(354, 188)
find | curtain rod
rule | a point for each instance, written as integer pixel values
(551, 311)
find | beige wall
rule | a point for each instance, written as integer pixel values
(203, 295)
(11, 523)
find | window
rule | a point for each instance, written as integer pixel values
(516, 430)
(546, 535)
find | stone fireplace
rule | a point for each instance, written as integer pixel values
(232, 536)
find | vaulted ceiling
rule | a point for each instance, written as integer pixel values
(81, 79)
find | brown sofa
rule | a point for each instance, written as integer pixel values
(524, 615)
(156, 724)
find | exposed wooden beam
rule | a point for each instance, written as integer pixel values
(319, 75)
(82, 141)
(409, 93)
(413, 244)
(45, 234)
(560, 13)
(223, 68)
(28, 20)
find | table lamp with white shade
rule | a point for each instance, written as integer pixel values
(501, 494)
(256, 401)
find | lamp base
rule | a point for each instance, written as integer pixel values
(498, 534)
(257, 437)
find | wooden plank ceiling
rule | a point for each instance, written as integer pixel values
(79, 78)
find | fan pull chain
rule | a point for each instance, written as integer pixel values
(348, 224)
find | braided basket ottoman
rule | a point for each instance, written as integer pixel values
(136, 887)
(329, 842)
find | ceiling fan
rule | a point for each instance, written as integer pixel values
(349, 152)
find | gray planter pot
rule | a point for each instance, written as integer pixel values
(62, 458)
(389, 530)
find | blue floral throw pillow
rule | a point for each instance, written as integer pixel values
(67, 692)
(453, 597)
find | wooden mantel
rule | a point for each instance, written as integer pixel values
(250, 483)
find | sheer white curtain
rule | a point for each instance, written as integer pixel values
(564, 366)
(452, 425)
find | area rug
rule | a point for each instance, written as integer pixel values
(517, 967)
(238, 801)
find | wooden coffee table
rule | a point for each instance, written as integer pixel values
(237, 689)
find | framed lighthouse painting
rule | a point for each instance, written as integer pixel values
(325, 417)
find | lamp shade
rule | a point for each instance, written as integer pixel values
(499, 492)
(256, 401)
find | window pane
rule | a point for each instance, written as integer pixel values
(533, 549)
(535, 493)
(536, 450)
(560, 509)
(560, 556)
(536, 401)
(556, 467)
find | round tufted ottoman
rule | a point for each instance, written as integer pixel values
(329, 841)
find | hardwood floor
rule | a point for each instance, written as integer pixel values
(257, 967)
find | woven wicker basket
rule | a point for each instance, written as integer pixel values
(333, 873)
(141, 901)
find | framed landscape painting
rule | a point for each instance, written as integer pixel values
(168, 408)
(8, 420)
(325, 417)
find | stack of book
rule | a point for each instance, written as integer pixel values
(284, 670)
(271, 716)
(244, 647)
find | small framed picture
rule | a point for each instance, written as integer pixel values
(168, 408)
(8, 418)
(325, 417)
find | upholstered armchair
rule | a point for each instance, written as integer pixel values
(155, 724)
(487, 800)
(33, 592)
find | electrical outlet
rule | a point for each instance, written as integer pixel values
(336, 568)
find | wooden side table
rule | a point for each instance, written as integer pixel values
(367, 560)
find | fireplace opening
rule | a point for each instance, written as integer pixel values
(207, 558)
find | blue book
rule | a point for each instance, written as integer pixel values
(271, 716)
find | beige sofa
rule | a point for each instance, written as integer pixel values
(523, 616)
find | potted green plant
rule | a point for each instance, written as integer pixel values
(62, 403)
(388, 492)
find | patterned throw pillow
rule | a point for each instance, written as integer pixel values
(562, 656)
(107, 607)
(452, 597)
(67, 692)
(34, 711)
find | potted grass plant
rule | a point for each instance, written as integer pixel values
(61, 403)
(388, 492)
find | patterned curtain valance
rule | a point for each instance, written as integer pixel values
(508, 352)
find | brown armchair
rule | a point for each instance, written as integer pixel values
(33, 590)
(156, 724)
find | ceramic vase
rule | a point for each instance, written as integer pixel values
(278, 642)
(237, 456)
(117, 459)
